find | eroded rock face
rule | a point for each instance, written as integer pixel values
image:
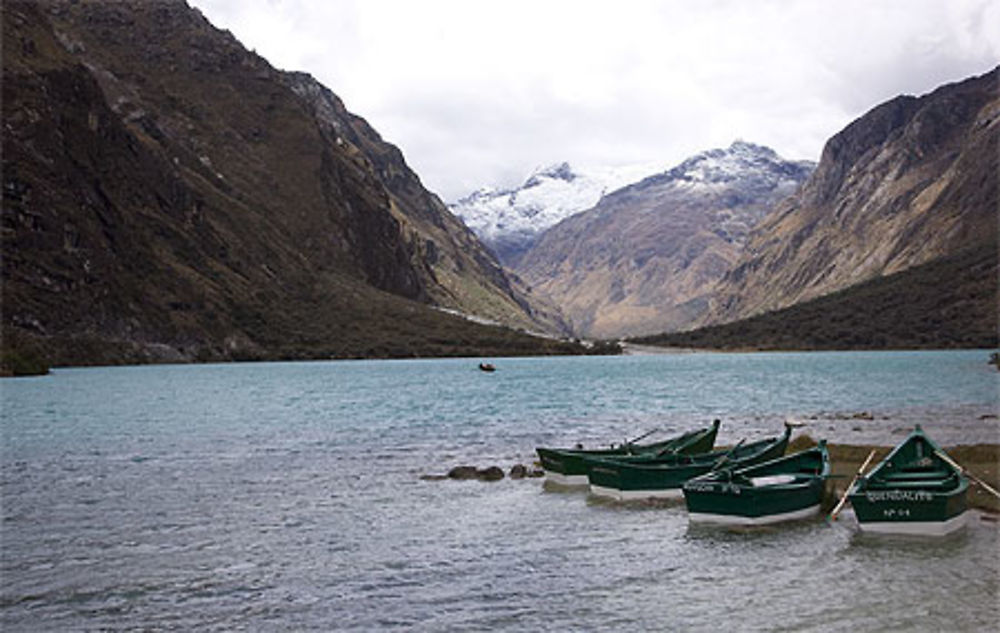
(169, 195)
(912, 181)
(456, 269)
(645, 257)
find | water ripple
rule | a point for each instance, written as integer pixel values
(288, 497)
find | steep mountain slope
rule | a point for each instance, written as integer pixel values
(643, 259)
(459, 272)
(950, 302)
(913, 180)
(169, 196)
(510, 220)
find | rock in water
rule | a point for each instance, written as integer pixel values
(493, 473)
(463, 472)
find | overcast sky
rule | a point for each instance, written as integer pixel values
(480, 92)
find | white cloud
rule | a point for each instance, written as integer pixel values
(479, 93)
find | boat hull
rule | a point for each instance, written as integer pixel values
(629, 480)
(783, 489)
(740, 505)
(917, 528)
(617, 494)
(910, 511)
(626, 482)
(568, 467)
(751, 521)
(914, 490)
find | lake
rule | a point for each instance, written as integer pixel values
(289, 497)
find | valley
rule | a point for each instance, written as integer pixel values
(170, 196)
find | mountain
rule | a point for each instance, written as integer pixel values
(510, 220)
(643, 259)
(949, 302)
(459, 272)
(910, 182)
(168, 195)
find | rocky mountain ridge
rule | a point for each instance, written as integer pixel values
(168, 195)
(911, 181)
(510, 220)
(460, 274)
(643, 259)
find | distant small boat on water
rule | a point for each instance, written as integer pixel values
(487, 367)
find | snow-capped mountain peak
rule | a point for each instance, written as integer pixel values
(508, 220)
(561, 171)
(741, 161)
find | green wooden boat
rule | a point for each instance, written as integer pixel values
(914, 490)
(624, 480)
(567, 467)
(783, 489)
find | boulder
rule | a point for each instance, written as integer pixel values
(463, 472)
(493, 473)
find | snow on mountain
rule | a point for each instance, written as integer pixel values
(644, 258)
(745, 164)
(745, 175)
(509, 220)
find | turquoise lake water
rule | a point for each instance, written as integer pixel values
(288, 497)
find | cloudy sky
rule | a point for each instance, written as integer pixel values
(481, 92)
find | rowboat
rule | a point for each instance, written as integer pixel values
(916, 489)
(783, 489)
(567, 467)
(624, 480)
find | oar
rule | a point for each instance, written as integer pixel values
(642, 437)
(723, 459)
(843, 500)
(666, 450)
(627, 445)
(965, 471)
(672, 447)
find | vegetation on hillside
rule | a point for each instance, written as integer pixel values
(379, 325)
(15, 362)
(947, 303)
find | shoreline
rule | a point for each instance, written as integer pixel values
(982, 460)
